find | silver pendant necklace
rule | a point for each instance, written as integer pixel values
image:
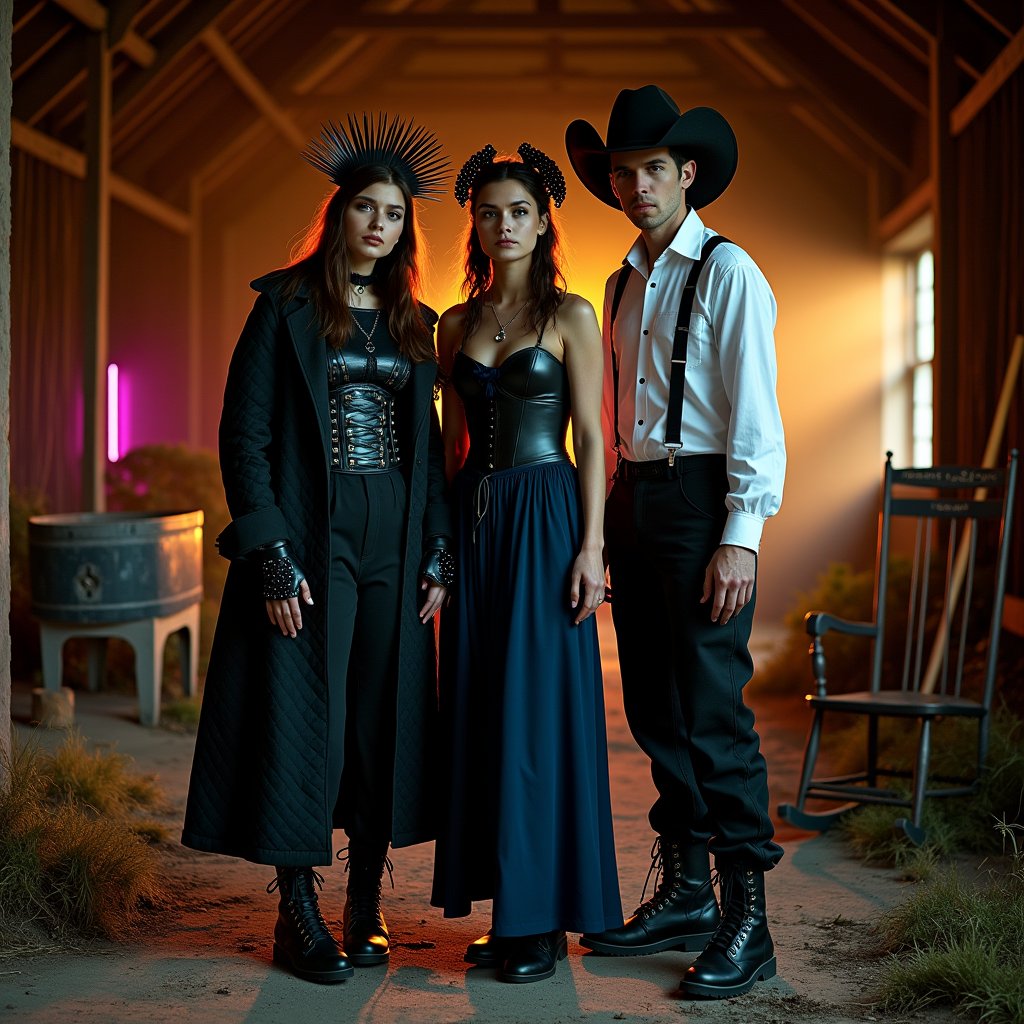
(368, 334)
(360, 282)
(500, 336)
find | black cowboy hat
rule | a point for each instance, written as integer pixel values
(648, 118)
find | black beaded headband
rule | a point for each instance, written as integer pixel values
(551, 177)
(413, 152)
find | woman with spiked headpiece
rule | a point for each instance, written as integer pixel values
(529, 818)
(320, 698)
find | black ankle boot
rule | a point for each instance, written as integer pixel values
(487, 951)
(302, 941)
(533, 957)
(682, 913)
(366, 934)
(741, 952)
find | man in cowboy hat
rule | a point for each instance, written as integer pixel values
(688, 328)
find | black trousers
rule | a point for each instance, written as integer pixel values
(367, 537)
(682, 674)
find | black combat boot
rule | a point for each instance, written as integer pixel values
(533, 957)
(302, 941)
(741, 952)
(682, 913)
(366, 934)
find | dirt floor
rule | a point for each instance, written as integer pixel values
(209, 961)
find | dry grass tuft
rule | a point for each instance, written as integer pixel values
(73, 863)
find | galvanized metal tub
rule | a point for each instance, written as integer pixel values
(96, 567)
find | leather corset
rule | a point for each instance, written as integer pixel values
(362, 391)
(517, 413)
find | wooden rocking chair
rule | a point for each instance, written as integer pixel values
(954, 528)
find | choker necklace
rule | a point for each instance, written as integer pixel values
(360, 282)
(500, 336)
(368, 334)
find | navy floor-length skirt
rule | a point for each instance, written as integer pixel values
(528, 819)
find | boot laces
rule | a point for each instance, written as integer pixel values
(733, 927)
(301, 905)
(365, 883)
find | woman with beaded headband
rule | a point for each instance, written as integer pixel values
(528, 822)
(320, 704)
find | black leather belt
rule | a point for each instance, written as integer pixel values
(660, 469)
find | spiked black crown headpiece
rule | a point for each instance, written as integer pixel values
(413, 152)
(551, 177)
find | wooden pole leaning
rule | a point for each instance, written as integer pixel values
(995, 440)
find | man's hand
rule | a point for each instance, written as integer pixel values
(729, 579)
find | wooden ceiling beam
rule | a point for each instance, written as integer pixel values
(912, 39)
(250, 85)
(72, 162)
(457, 21)
(49, 80)
(867, 49)
(988, 85)
(876, 121)
(182, 33)
(95, 16)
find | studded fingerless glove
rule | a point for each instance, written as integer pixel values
(438, 564)
(280, 573)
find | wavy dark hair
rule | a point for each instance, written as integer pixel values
(547, 283)
(320, 261)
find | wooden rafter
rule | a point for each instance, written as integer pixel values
(848, 35)
(95, 16)
(877, 123)
(182, 33)
(626, 23)
(1001, 69)
(250, 85)
(72, 162)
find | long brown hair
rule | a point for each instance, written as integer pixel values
(547, 283)
(321, 262)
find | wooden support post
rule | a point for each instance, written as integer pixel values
(96, 275)
(945, 201)
(195, 316)
(6, 91)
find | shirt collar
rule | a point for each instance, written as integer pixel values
(687, 242)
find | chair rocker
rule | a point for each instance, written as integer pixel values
(960, 535)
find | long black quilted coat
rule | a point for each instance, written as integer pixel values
(258, 787)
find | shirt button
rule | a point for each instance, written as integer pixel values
(639, 423)
(643, 380)
(653, 283)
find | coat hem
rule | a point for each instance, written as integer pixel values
(259, 855)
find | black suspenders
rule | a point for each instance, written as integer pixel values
(677, 378)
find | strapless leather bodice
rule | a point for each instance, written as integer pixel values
(517, 413)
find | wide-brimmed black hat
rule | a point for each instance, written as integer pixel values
(648, 118)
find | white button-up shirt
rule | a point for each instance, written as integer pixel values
(729, 403)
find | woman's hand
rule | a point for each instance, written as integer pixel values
(435, 598)
(588, 577)
(283, 584)
(286, 614)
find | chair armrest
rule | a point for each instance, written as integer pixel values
(820, 623)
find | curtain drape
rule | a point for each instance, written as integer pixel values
(990, 264)
(46, 332)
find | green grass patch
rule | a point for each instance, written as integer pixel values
(959, 944)
(73, 862)
(181, 715)
(952, 824)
